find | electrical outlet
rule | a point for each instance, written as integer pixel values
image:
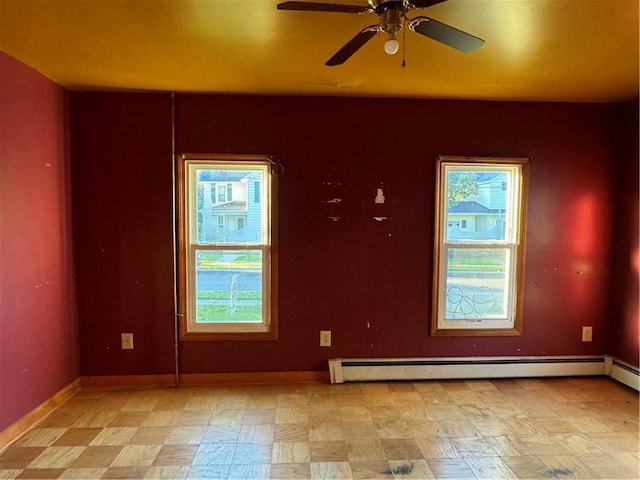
(587, 334)
(325, 338)
(127, 341)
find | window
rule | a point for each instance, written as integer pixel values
(479, 271)
(221, 194)
(227, 269)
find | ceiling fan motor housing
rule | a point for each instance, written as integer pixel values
(391, 20)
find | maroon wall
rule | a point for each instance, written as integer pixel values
(38, 324)
(367, 281)
(122, 183)
(624, 337)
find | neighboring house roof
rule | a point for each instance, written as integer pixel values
(231, 206)
(221, 176)
(468, 207)
(488, 176)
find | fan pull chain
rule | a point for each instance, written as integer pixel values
(404, 42)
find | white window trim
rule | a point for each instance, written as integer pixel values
(513, 243)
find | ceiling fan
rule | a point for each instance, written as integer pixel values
(392, 18)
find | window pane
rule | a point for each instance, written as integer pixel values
(229, 286)
(224, 212)
(476, 283)
(477, 203)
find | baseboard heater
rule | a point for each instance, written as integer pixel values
(371, 369)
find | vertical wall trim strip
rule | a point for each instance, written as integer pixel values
(176, 313)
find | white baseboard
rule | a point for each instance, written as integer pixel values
(371, 369)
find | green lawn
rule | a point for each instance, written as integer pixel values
(224, 295)
(223, 314)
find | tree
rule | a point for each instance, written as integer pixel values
(461, 186)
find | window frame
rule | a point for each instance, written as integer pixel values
(189, 329)
(516, 245)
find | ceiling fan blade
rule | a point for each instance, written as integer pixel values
(352, 46)
(424, 3)
(323, 7)
(450, 36)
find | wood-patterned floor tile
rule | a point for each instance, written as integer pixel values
(114, 436)
(40, 437)
(436, 447)
(259, 416)
(61, 419)
(354, 415)
(530, 467)
(171, 403)
(331, 470)
(366, 449)
(136, 456)
(290, 452)
(191, 418)
(128, 419)
(490, 467)
(492, 427)
(329, 451)
(83, 473)
(159, 418)
(401, 449)
(95, 419)
(256, 434)
(252, 454)
(616, 441)
(540, 445)
(202, 472)
(607, 466)
(250, 472)
(371, 470)
(8, 473)
(41, 473)
(417, 469)
(201, 402)
(442, 411)
(77, 436)
(131, 473)
(150, 435)
(393, 429)
(187, 435)
(508, 446)
(457, 428)
(175, 455)
(228, 416)
(290, 471)
(451, 468)
(214, 454)
(291, 433)
(473, 447)
(292, 415)
(167, 473)
(143, 404)
(325, 432)
(96, 457)
(56, 457)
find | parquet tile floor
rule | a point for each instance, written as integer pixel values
(526, 429)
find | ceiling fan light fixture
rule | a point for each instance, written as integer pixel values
(391, 46)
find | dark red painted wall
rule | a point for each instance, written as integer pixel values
(367, 281)
(38, 324)
(122, 184)
(624, 336)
